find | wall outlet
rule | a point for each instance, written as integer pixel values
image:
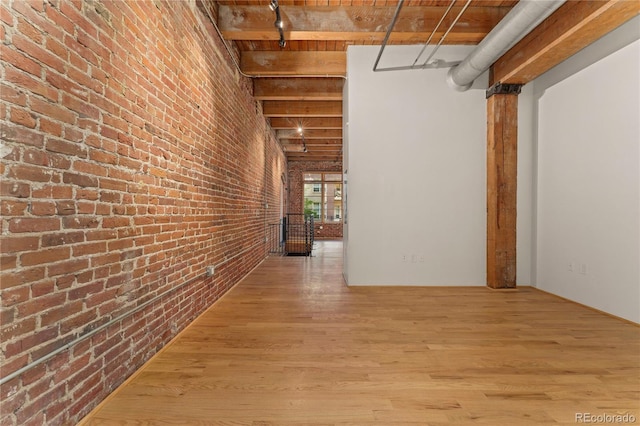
(570, 268)
(210, 270)
(583, 268)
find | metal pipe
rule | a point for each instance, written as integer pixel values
(112, 321)
(386, 37)
(520, 20)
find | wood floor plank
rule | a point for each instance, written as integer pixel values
(292, 345)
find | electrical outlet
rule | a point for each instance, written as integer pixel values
(404, 258)
(583, 268)
(210, 270)
(570, 268)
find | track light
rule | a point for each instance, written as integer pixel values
(273, 5)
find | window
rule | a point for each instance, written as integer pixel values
(323, 196)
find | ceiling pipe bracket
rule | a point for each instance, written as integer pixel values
(503, 89)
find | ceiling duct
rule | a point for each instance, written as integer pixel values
(524, 17)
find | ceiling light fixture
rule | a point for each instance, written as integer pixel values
(273, 5)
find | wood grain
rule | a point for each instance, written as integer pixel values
(575, 25)
(292, 345)
(502, 172)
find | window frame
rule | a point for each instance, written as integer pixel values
(311, 178)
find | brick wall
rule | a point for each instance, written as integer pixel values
(296, 171)
(133, 157)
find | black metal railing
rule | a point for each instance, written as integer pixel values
(292, 236)
(275, 237)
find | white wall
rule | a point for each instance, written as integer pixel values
(415, 158)
(588, 172)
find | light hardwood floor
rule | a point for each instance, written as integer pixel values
(292, 345)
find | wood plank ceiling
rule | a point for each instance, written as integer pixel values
(301, 83)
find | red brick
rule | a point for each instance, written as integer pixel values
(83, 108)
(6, 16)
(45, 256)
(15, 295)
(61, 21)
(64, 208)
(29, 30)
(8, 280)
(78, 322)
(29, 341)
(22, 135)
(89, 249)
(84, 79)
(20, 61)
(14, 189)
(53, 191)
(38, 53)
(82, 51)
(90, 168)
(53, 110)
(50, 127)
(67, 267)
(19, 225)
(41, 288)
(76, 222)
(30, 173)
(58, 313)
(23, 117)
(36, 19)
(25, 81)
(80, 180)
(103, 157)
(10, 207)
(57, 239)
(17, 328)
(42, 208)
(18, 244)
(12, 95)
(73, 134)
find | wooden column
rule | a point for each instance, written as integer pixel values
(502, 159)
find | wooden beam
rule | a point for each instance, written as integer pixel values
(356, 23)
(295, 63)
(575, 25)
(502, 130)
(298, 89)
(305, 156)
(306, 122)
(310, 134)
(302, 108)
(324, 149)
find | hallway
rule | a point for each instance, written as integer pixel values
(292, 345)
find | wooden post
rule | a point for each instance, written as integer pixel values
(502, 160)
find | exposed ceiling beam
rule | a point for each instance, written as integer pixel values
(315, 142)
(294, 63)
(310, 134)
(302, 108)
(298, 89)
(359, 23)
(575, 25)
(305, 156)
(306, 122)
